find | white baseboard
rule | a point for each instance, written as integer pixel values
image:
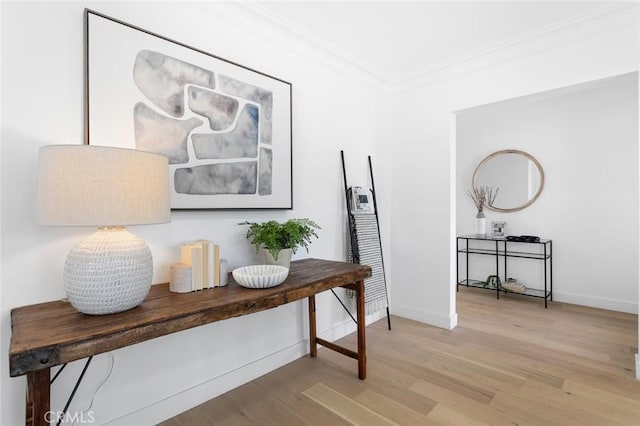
(426, 317)
(630, 307)
(376, 316)
(638, 366)
(215, 386)
(453, 321)
(198, 394)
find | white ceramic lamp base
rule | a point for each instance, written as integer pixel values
(108, 272)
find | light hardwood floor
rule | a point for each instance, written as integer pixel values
(508, 362)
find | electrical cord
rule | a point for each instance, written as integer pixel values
(95, 391)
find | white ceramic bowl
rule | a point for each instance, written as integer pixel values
(260, 276)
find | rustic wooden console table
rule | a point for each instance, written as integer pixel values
(54, 333)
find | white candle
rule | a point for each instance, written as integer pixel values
(224, 272)
(180, 281)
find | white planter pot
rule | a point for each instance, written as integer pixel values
(283, 257)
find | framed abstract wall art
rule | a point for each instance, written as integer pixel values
(225, 128)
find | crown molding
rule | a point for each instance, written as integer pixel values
(297, 31)
(432, 73)
(514, 42)
(599, 24)
(254, 18)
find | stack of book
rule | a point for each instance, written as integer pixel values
(204, 258)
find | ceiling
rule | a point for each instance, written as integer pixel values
(396, 40)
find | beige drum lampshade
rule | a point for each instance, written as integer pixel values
(87, 185)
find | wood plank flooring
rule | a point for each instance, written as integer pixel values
(509, 362)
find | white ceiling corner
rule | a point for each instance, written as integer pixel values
(300, 32)
(397, 41)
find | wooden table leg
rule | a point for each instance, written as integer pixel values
(313, 351)
(38, 397)
(362, 352)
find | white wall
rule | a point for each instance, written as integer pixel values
(42, 80)
(1, 292)
(424, 175)
(411, 136)
(586, 138)
(638, 354)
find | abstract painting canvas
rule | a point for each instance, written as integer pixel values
(225, 128)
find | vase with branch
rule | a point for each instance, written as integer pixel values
(482, 196)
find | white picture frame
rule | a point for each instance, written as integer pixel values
(225, 128)
(498, 228)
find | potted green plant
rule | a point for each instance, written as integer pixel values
(278, 241)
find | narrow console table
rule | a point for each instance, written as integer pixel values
(501, 247)
(54, 333)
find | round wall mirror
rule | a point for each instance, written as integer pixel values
(517, 174)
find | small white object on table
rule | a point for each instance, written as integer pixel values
(260, 276)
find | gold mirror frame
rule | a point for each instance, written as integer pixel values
(518, 152)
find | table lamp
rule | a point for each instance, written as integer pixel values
(109, 188)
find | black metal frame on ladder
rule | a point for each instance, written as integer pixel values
(352, 237)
